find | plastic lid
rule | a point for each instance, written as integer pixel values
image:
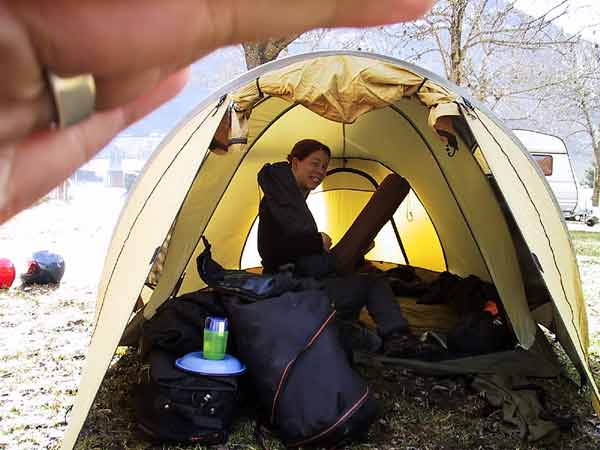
(196, 363)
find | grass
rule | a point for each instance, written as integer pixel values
(586, 243)
(418, 412)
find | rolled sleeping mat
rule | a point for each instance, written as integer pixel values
(379, 209)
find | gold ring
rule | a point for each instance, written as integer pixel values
(74, 98)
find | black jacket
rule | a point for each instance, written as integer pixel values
(286, 228)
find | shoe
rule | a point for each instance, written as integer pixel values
(404, 344)
(357, 337)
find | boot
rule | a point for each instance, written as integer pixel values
(404, 344)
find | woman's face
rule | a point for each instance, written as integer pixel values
(310, 171)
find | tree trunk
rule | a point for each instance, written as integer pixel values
(456, 50)
(258, 53)
(596, 191)
(593, 133)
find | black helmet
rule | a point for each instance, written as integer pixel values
(44, 268)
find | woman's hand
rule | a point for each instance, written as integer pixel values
(326, 241)
(138, 52)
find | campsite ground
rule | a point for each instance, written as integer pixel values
(44, 333)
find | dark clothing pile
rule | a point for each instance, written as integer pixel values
(483, 327)
(464, 295)
(309, 393)
(404, 281)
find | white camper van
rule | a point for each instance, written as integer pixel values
(550, 152)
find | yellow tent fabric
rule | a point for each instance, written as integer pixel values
(342, 88)
(127, 266)
(538, 225)
(377, 116)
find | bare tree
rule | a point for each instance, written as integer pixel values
(257, 53)
(589, 177)
(577, 101)
(475, 40)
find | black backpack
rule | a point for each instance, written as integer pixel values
(170, 404)
(309, 393)
(175, 406)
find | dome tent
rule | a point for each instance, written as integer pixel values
(478, 203)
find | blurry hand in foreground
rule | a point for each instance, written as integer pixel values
(138, 52)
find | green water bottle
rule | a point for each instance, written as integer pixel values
(216, 330)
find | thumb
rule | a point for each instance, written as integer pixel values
(34, 166)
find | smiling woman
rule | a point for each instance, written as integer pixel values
(309, 160)
(287, 230)
(288, 234)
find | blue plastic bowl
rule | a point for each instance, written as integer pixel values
(196, 363)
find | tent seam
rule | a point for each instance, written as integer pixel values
(209, 114)
(543, 227)
(418, 131)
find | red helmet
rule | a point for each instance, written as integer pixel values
(7, 273)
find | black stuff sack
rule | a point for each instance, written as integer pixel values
(309, 393)
(178, 325)
(479, 333)
(174, 406)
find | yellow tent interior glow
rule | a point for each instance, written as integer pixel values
(479, 208)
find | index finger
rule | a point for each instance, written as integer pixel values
(118, 37)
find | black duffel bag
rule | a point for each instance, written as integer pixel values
(310, 394)
(175, 406)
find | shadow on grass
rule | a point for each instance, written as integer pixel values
(418, 413)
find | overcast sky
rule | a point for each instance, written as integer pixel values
(580, 14)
